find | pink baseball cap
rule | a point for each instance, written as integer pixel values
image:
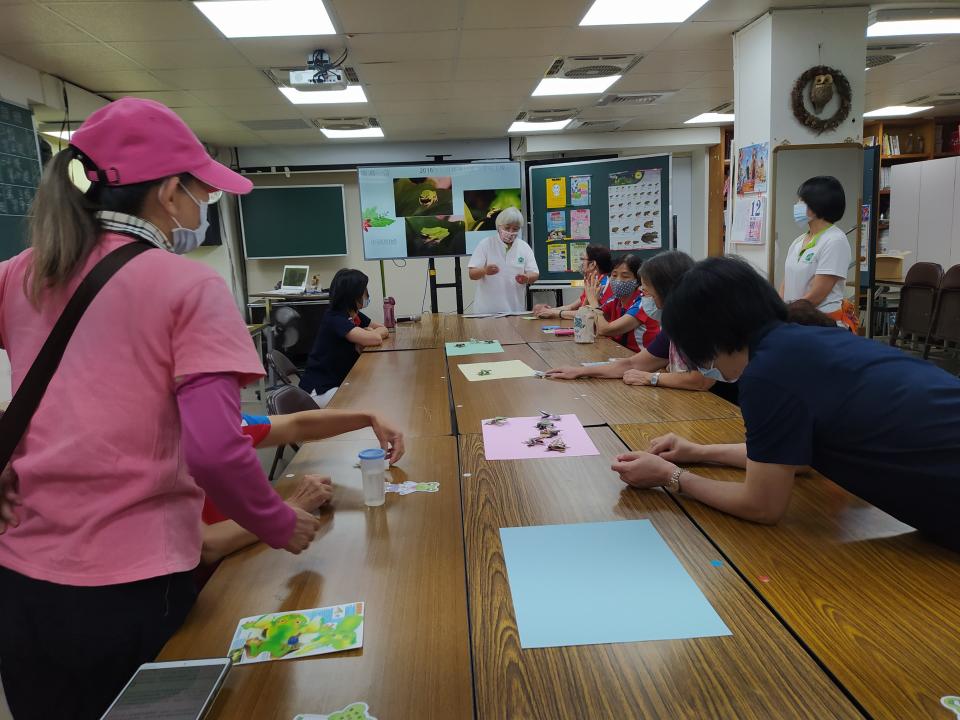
(132, 140)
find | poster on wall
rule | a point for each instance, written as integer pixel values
(752, 165)
(579, 190)
(580, 224)
(557, 257)
(556, 225)
(433, 210)
(556, 192)
(633, 199)
(864, 233)
(577, 251)
(749, 215)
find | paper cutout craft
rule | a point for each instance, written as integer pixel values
(549, 416)
(353, 711)
(534, 441)
(568, 584)
(473, 347)
(512, 441)
(498, 420)
(496, 370)
(300, 633)
(408, 486)
(557, 445)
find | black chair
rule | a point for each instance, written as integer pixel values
(286, 400)
(945, 325)
(287, 373)
(917, 301)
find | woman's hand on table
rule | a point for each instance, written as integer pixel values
(675, 449)
(643, 470)
(569, 372)
(637, 377)
(313, 492)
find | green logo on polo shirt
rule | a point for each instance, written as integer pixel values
(519, 259)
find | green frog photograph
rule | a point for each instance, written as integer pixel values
(414, 197)
(481, 207)
(435, 236)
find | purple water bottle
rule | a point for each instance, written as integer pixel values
(389, 320)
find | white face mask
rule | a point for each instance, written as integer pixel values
(648, 305)
(508, 236)
(800, 213)
(713, 373)
(185, 240)
(366, 302)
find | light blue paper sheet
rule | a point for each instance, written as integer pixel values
(594, 583)
(473, 347)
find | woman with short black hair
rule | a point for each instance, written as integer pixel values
(344, 332)
(881, 424)
(816, 265)
(596, 262)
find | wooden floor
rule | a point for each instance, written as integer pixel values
(838, 612)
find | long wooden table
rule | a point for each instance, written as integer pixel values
(532, 330)
(408, 387)
(404, 560)
(877, 604)
(457, 328)
(757, 672)
(423, 334)
(518, 397)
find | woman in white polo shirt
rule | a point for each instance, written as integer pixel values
(503, 265)
(817, 261)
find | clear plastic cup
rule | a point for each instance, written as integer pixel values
(372, 467)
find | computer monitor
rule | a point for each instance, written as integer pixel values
(294, 278)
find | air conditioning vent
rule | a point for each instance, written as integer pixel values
(726, 108)
(939, 99)
(878, 55)
(354, 123)
(592, 66)
(546, 115)
(597, 125)
(624, 99)
(257, 125)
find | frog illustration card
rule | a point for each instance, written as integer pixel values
(296, 634)
(353, 711)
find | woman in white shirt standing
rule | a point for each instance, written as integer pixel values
(503, 265)
(817, 261)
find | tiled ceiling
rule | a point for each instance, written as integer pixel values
(430, 68)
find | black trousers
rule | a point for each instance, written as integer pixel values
(66, 652)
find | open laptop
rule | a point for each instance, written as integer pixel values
(294, 279)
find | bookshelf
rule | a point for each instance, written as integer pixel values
(946, 138)
(719, 192)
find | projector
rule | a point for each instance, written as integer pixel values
(320, 73)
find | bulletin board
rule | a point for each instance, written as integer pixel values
(623, 204)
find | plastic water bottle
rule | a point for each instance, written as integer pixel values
(372, 467)
(389, 319)
(584, 330)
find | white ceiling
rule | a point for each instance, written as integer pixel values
(477, 61)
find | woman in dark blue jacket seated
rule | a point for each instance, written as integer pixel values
(344, 332)
(881, 424)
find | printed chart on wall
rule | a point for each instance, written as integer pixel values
(435, 210)
(634, 210)
(620, 203)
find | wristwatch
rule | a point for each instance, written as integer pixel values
(673, 484)
(655, 378)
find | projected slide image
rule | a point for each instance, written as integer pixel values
(481, 207)
(435, 236)
(414, 197)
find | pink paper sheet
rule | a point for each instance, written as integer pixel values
(507, 442)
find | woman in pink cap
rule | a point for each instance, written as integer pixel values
(138, 423)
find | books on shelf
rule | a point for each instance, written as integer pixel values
(891, 145)
(885, 177)
(870, 141)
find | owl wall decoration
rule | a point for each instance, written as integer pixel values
(818, 85)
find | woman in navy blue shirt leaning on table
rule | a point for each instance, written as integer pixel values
(881, 424)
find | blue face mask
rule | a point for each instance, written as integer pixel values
(650, 308)
(185, 240)
(366, 302)
(714, 374)
(800, 213)
(623, 288)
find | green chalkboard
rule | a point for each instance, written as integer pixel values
(625, 175)
(294, 221)
(19, 176)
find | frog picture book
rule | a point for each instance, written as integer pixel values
(298, 633)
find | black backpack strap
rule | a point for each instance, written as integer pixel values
(14, 422)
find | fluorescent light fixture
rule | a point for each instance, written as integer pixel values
(351, 94)
(268, 18)
(640, 12)
(373, 132)
(574, 86)
(930, 26)
(710, 117)
(897, 110)
(523, 126)
(62, 134)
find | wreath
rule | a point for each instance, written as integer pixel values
(804, 116)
